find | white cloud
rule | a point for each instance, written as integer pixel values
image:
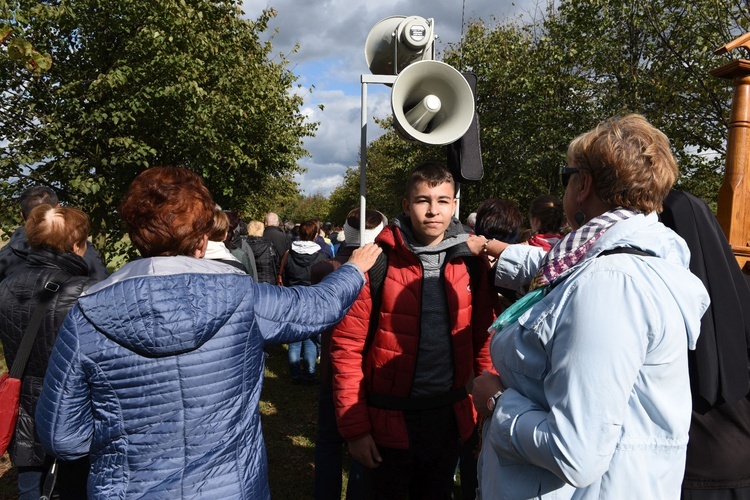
(331, 36)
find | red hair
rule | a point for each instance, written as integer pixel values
(167, 211)
(57, 228)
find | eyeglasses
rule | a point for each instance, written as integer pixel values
(565, 174)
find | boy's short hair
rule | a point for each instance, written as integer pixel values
(35, 196)
(432, 173)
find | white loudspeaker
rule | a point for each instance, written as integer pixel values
(401, 38)
(432, 103)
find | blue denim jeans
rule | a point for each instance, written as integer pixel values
(329, 452)
(309, 356)
(30, 482)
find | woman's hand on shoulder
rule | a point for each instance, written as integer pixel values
(476, 244)
(364, 257)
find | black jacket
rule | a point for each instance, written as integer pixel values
(297, 268)
(266, 259)
(19, 295)
(278, 238)
(13, 255)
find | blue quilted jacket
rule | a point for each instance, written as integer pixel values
(157, 373)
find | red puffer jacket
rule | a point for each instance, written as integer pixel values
(389, 363)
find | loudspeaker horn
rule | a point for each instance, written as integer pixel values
(432, 103)
(406, 39)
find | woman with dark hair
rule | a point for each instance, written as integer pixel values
(718, 453)
(498, 219)
(157, 370)
(295, 271)
(593, 396)
(57, 237)
(546, 217)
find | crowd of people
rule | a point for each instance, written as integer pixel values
(595, 346)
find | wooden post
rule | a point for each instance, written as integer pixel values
(734, 195)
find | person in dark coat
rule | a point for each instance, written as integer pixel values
(158, 369)
(275, 235)
(718, 452)
(266, 259)
(329, 444)
(57, 239)
(14, 253)
(295, 271)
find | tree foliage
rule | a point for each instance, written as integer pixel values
(543, 81)
(136, 83)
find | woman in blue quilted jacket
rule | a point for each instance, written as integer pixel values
(157, 371)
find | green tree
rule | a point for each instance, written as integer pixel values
(389, 161)
(654, 57)
(306, 208)
(135, 84)
(543, 81)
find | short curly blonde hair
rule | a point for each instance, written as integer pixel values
(629, 160)
(255, 228)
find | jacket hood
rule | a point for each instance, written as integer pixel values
(217, 250)
(454, 236)
(646, 233)
(163, 306)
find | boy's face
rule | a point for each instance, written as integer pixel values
(431, 210)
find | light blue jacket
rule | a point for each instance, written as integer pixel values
(598, 397)
(157, 372)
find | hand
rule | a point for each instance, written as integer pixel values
(485, 386)
(364, 451)
(364, 257)
(476, 244)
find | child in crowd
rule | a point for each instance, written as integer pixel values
(400, 390)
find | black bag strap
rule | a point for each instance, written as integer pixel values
(630, 250)
(49, 481)
(611, 251)
(27, 342)
(377, 278)
(417, 403)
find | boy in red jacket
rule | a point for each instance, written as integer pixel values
(401, 391)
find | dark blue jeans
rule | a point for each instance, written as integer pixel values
(329, 452)
(309, 352)
(30, 482)
(70, 484)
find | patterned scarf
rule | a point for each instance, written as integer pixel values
(563, 256)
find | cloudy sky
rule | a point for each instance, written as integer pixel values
(331, 35)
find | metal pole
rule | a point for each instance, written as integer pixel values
(458, 199)
(363, 164)
(385, 80)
